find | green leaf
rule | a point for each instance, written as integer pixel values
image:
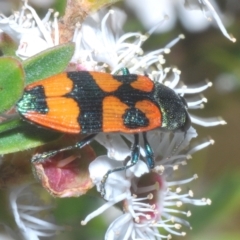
(11, 82)
(48, 62)
(7, 45)
(11, 124)
(24, 137)
(216, 234)
(60, 6)
(97, 4)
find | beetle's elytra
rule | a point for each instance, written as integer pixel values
(92, 102)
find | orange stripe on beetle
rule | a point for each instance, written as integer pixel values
(113, 110)
(106, 82)
(57, 117)
(152, 113)
(55, 86)
(143, 83)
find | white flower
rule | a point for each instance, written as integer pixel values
(121, 179)
(151, 12)
(97, 39)
(101, 43)
(32, 34)
(151, 201)
(28, 212)
(144, 216)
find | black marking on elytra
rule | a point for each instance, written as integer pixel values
(134, 118)
(130, 96)
(33, 100)
(89, 97)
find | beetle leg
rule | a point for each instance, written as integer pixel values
(42, 157)
(125, 71)
(134, 159)
(148, 151)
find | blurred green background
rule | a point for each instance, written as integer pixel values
(202, 55)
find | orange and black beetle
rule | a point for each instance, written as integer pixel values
(92, 102)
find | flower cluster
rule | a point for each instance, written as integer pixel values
(192, 20)
(151, 201)
(32, 216)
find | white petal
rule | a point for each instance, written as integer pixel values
(116, 183)
(193, 20)
(138, 169)
(118, 228)
(101, 39)
(30, 45)
(164, 144)
(150, 13)
(116, 146)
(15, 31)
